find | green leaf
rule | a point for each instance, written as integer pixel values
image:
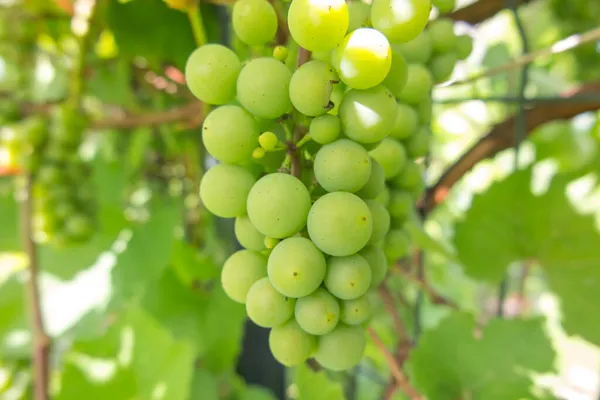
(204, 386)
(509, 223)
(111, 83)
(256, 393)
(80, 382)
(426, 242)
(316, 386)
(450, 362)
(9, 217)
(193, 266)
(15, 339)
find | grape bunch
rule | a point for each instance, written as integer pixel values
(319, 164)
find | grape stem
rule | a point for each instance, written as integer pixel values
(422, 284)
(303, 141)
(195, 17)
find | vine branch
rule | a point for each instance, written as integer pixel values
(480, 10)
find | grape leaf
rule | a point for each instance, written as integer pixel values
(509, 223)
(450, 362)
(316, 386)
(15, 340)
(9, 217)
(204, 386)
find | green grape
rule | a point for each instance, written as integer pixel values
(410, 177)
(337, 95)
(381, 220)
(401, 204)
(368, 115)
(64, 210)
(342, 348)
(310, 88)
(396, 78)
(78, 227)
(224, 189)
(348, 277)
(229, 134)
(278, 205)
(325, 129)
(418, 84)
(384, 197)
(56, 152)
(444, 6)
(270, 243)
(340, 224)
(375, 184)
(263, 86)
(268, 140)
(254, 21)
(464, 46)
(280, 53)
(290, 345)
(267, 307)
(318, 25)
(396, 245)
(296, 267)
(247, 235)
(50, 175)
(363, 59)
(400, 20)
(240, 271)
(424, 110)
(418, 144)
(258, 153)
(211, 73)
(418, 50)
(378, 263)
(343, 165)
(442, 35)
(442, 66)
(317, 313)
(35, 131)
(356, 311)
(390, 154)
(358, 12)
(407, 122)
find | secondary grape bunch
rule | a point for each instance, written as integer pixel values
(320, 165)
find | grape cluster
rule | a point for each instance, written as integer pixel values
(319, 166)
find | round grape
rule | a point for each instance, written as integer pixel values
(356, 311)
(348, 277)
(340, 224)
(418, 50)
(424, 110)
(418, 84)
(401, 204)
(363, 59)
(267, 307)
(418, 144)
(368, 115)
(263, 88)
(396, 78)
(375, 184)
(396, 245)
(247, 235)
(318, 25)
(211, 73)
(442, 35)
(381, 220)
(240, 271)
(464, 46)
(224, 189)
(278, 205)
(410, 177)
(407, 122)
(342, 348)
(442, 66)
(268, 140)
(378, 263)
(280, 53)
(325, 128)
(400, 20)
(343, 165)
(359, 13)
(317, 313)
(444, 6)
(310, 88)
(229, 134)
(390, 154)
(290, 345)
(270, 243)
(254, 21)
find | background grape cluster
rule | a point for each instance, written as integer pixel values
(320, 162)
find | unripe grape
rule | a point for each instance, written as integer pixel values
(375, 184)
(258, 153)
(342, 348)
(443, 38)
(400, 20)
(381, 220)
(348, 277)
(318, 25)
(311, 86)
(378, 263)
(359, 14)
(418, 85)
(325, 129)
(268, 140)
(280, 53)
(390, 154)
(267, 307)
(247, 235)
(444, 6)
(254, 21)
(407, 122)
(418, 144)
(401, 204)
(240, 271)
(396, 78)
(317, 313)
(464, 46)
(224, 189)
(343, 165)
(270, 242)
(355, 311)
(442, 66)
(410, 177)
(211, 73)
(290, 344)
(396, 245)
(418, 50)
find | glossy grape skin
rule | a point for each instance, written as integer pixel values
(442, 66)
(268, 140)
(375, 184)
(381, 220)
(418, 144)
(317, 313)
(267, 307)
(401, 204)
(340, 223)
(363, 59)
(400, 20)
(278, 205)
(368, 115)
(311, 86)
(396, 245)
(359, 13)
(247, 235)
(356, 311)
(224, 189)
(424, 110)
(211, 73)
(390, 154)
(296, 267)
(263, 88)
(290, 344)
(444, 6)
(407, 122)
(464, 46)
(240, 271)
(348, 277)
(442, 35)
(254, 21)
(418, 50)
(318, 25)
(410, 177)
(325, 128)
(342, 348)
(378, 263)
(418, 85)
(343, 165)
(398, 74)
(229, 134)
